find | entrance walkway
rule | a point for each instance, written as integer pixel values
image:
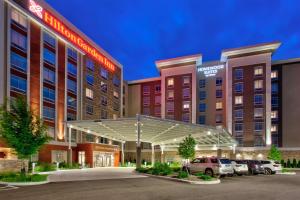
(94, 174)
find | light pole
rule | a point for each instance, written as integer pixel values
(138, 143)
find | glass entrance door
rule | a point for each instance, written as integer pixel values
(102, 159)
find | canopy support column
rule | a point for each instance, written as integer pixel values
(138, 144)
(219, 150)
(162, 154)
(70, 147)
(152, 155)
(122, 149)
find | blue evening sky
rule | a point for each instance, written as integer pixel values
(139, 32)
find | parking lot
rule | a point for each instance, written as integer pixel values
(275, 187)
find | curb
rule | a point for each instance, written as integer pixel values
(286, 173)
(24, 183)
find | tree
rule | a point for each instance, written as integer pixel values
(21, 129)
(274, 153)
(186, 148)
(294, 164)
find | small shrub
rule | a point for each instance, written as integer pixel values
(20, 177)
(282, 163)
(298, 165)
(45, 167)
(161, 169)
(294, 164)
(182, 174)
(205, 177)
(142, 170)
(288, 163)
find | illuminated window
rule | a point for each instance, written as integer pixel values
(258, 71)
(186, 80)
(274, 114)
(170, 94)
(258, 112)
(89, 93)
(258, 84)
(116, 94)
(186, 105)
(18, 18)
(238, 100)
(219, 106)
(170, 82)
(274, 74)
(274, 128)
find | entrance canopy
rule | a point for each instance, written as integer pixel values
(157, 131)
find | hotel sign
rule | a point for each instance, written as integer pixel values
(67, 33)
(210, 70)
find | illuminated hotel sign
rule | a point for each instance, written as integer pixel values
(75, 39)
(210, 70)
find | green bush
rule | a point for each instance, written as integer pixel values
(203, 176)
(288, 164)
(142, 170)
(282, 163)
(182, 174)
(176, 166)
(294, 164)
(298, 165)
(45, 167)
(17, 177)
(161, 169)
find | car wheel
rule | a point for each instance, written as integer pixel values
(268, 171)
(209, 172)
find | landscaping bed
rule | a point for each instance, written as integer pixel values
(12, 178)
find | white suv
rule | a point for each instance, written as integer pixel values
(270, 166)
(210, 166)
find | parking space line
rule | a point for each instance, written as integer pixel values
(8, 187)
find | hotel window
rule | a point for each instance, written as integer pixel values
(104, 73)
(219, 81)
(202, 83)
(186, 93)
(238, 74)
(238, 127)
(116, 106)
(71, 101)
(219, 118)
(90, 79)
(103, 86)
(186, 105)
(202, 95)
(89, 109)
(51, 132)
(103, 114)
(48, 113)
(116, 81)
(157, 100)
(146, 111)
(72, 69)
(170, 106)
(49, 39)
(274, 114)
(186, 80)
(202, 107)
(72, 53)
(186, 117)
(49, 75)
(18, 62)
(239, 114)
(49, 56)
(103, 100)
(170, 94)
(240, 141)
(89, 93)
(274, 88)
(274, 139)
(239, 87)
(146, 90)
(258, 71)
(157, 111)
(146, 101)
(201, 119)
(258, 141)
(90, 64)
(71, 116)
(116, 94)
(18, 18)
(258, 99)
(219, 106)
(18, 40)
(258, 126)
(275, 101)
(48, 94)
(218, 93)
(274, 74)
(170, 82)
(258, 112)
(72, 86)
(157, 89)
(18, 84)
(238, 100)
(274, 128)
(258, 84)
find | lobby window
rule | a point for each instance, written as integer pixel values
(186, 117)
(18, 62)
(170, 94)
(202, 107)
(157, 89)
(103, 100)
(72, 87)
(170, 82)
(49, 75)
(48, 113)
(238, 74)
(258, 99)
(202, 95)
(186, 105)
(157, 100)
(170, 106)
(275, 101)
(219, 118)
(18, 84)
(116, 94)
(116, 81)
(48, 94)
(274, 115)
(18, 18)
(72, 69)
(49, 39)
(146, 101)
(201, 119)
(103, 86)
(103, 114)
(186, 80)
(239, 114)
(238, 127)
(258, 84)
(49, 56)
(71, 101)
(146, 90)
(186, 92)
(258, 71)
(89, 93)
(258, 112)
(274, 88)
(202, 83)
(239, 87)
(240, 141)
(274, 128)
(238, 100)
(219, 106)
(18, 40)
(104, 73)
(90, 64)
(71, 116)
(90, 79)
(258, 126)
(89, 109)
(219, 93)
(274, 74)
(72, 53)
(219, 81)
(258, 141)
(146, 111)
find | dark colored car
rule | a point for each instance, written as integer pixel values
(255, 167)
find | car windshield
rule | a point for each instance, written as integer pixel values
(225, 161)
(240, 162)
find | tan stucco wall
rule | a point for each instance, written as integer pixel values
(134, 100)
